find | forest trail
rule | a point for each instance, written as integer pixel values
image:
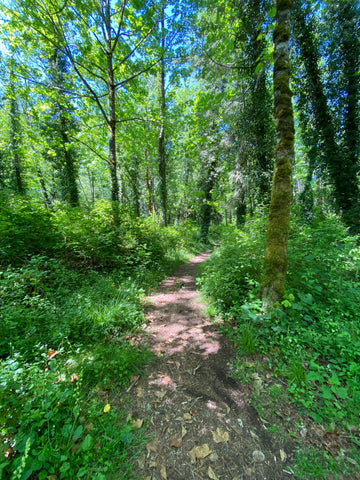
(200, 422)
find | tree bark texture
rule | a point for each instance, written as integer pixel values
(162, 139)
(115, 190)
(275, 264)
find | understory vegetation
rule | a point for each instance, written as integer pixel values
(311, 341)
(136, 133)
(71, 296)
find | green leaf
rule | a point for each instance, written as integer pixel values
(272, 12)
(326, 393)
(342, 392)
(78, 432)
(314, 377)
(259, 67)
(316, 417)
(87, 443)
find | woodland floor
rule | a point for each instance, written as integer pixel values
(200, 421)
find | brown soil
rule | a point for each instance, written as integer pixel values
(201, 423)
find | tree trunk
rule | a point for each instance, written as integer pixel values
(161, 139)
(15, 145)
(111, 121)
(15, 134)
(206, 209)
(70, 170)
(275, 264)
(47, 200)
(342, 172)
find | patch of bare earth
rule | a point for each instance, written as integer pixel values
(201, 424)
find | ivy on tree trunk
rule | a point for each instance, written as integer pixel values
(275, 264)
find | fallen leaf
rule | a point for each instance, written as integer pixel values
(138, 423)
(51, 354)
(51, 477)
(152, 447)
(353, 462)
(183, 432)
(175, 441)
(199, 452)
(163, 472)
(220, 436)
(107, 408)
(253, 434)
(258, 380)
(75, 448)
(142, 461)
(187, 416)
(140, 392)
(152, 464)
(214, 457)
(177, 364)
(212, 474)
(89, 427)
(283, 455)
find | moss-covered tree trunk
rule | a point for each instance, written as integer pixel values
(275, 264)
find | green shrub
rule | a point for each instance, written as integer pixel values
(232, 274)
(25, 229)
(316, 332)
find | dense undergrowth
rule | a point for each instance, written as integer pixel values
(312, 340)
(70, 298)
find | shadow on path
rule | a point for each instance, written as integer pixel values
(190, 401)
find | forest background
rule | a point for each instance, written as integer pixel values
(133, 134)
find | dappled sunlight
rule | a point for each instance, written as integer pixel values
(174, 313)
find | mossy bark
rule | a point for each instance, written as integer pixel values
(275, 264)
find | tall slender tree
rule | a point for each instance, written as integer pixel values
(162, 136)
(275, 263)
(58, 126)
(108, 44)
(340, 161)
(15, 132)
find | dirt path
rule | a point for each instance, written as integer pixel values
(201, 424)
